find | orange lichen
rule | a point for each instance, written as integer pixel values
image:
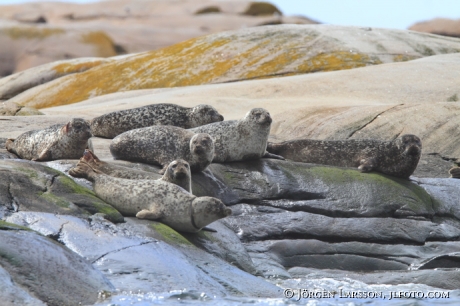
(104, 44)
(404, 57)
(31, 32)
(66, 68)
(339, 60)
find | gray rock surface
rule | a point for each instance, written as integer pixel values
(49, 271)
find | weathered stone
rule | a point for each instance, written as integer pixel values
(246, 54)
(11, 294)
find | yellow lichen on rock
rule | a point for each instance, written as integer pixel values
(103, 43)
(66, 68)
(31, 32)
(340, 60)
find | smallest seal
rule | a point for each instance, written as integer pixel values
(177, 172)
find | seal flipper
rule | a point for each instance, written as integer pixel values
(208, 229)
(455, 172)
(44, 155)
(273, 156)
(367, 165)
(152, 214)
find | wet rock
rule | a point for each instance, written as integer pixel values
(11, 294)
(445, 279)
(145, 256)
(48, 271)
(31, 186)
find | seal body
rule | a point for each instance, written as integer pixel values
(397, 158)
(177, 172)
(115, 123)
(160, 145)
(55, 142)
(154, 200)
(238, 140)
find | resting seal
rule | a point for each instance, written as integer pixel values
(397, 158)
(55, 142)
(154, 200)
(161, 144)
(455, 172)
(177, 172)
(238, 140)
(115, 123)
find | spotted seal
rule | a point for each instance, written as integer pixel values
(455, 172)
(161, 144)
(55, 142)
(238, 140)
(154, 200)
(397, 158)
(177, 172)
(115, 123)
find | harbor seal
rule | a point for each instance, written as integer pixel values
(455, 172)
(154, 200)
(115, 123)
(55, 142)
(397, 158)
(161, 144)
(238, 140)
(177, 172)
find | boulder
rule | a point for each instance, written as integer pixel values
(439, 26)
(25, 46)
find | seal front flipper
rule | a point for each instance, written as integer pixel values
(273, 156)
(367, 164)
(44, 155)
(455, 172)
(152, 214)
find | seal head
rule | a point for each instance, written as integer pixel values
(259, 116)
(204, 114)
(409, 145)
(178, 172)
(202, 150)
(206, 210)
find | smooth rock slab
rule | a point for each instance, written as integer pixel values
(11, 294)
(293, 186)
(49, 271)
(259, 223)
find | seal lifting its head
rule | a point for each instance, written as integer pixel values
(259, 116)
(204, 114)
(178, 169)
(79, 127)
(409, 145)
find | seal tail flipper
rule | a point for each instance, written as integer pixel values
(455, 172)
(273, 156)
(82, 170)
(153, 214)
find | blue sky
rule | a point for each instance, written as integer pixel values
(396, 14)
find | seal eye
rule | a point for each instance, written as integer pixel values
(174, 166)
